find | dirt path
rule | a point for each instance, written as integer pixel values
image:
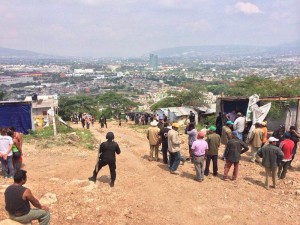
(146, 193)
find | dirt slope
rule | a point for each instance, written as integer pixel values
(146, 193)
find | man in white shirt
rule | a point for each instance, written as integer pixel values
(239, 125)
(6, 154)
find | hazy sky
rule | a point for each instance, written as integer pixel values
(136, 27)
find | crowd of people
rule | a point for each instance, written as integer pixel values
(277, 151)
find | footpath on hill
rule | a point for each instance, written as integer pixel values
(146, 193)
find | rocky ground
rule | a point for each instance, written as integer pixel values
(146, 193)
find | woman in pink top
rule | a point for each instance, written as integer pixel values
(199, 148)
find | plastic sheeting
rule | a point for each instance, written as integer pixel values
(17, 115)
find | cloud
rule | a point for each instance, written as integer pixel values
(247, 8)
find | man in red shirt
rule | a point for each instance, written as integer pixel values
(286, 146)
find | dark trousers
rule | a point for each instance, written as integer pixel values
(282, 169)
(164, 150)
(214, 158)
(112, 168)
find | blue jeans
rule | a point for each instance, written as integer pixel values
(7, 165)
(240, 136)
(174, 159)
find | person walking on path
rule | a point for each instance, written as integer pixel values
(213, 141)
(164, 141)
(255, 140)
(17, 198)
(154, 140)
(107, 156)
(270, 154)
(286, 146)
(226, 134)
(174, 148)
(199, 148)
(234, 148)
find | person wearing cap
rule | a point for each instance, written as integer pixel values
(295, 137)
(234, 148)
(265, 132)
(255, 140)
(174, 148)
(270, 155)
(199, 148)
(213, 140)
(107, 156)
(286, 147)
(226, 134)
(164, 141)
(239, 125)
(154, 140)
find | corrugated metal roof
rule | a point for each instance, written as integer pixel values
(181, 111)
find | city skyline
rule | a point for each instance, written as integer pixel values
(102, 28)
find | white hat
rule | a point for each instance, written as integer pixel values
(154, 123)
(271, 139)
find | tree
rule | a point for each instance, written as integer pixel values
(165, 103)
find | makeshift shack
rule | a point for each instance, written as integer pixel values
(179, 114)
(16, 114)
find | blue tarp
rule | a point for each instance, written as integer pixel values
(16, 115)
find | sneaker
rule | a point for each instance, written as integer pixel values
(174, 172)
(5, 177)
(92, 179)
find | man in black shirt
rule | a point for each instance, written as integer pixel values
(164, 141)
(192, 117)
(107, 156)
(17, 200)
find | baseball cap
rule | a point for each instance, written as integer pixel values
(272, 139)
(212, 128)
(201, 134)
(175, 125)
(229, 122)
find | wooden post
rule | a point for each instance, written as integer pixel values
(298, 117)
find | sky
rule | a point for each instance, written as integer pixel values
(126, 28)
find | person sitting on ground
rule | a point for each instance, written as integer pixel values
(107, 156)
(234, 148)
(213, 141)
(199, 148)
(286, 146)
(270, 154)
(17, 200)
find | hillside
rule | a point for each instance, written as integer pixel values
(146, 193)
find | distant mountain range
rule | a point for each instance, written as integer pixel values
(227, 50)
(13, 53)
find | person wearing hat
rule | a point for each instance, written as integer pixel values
(234, 148)
(286, 147)
(213, 140)
(154, 140)
(270, 155)
(239, 125)
(265, 132)
(255, 140)
(199, 148)
(174, 148)
(107, 156)
(226, 134)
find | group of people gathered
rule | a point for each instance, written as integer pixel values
(277, 151)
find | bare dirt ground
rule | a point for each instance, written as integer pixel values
(146, 193)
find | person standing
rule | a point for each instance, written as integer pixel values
(265, 132)
(164, 141)
(270, 154)
(231, 116)
(234, 148)
(192, 117)
(255, 140)
(192, 134)
(295, 137)
(154, 140)
(199, 148)
(226, 134)
(6, 155)
(174, 148)
(239, 125)
(219, 124)
(107, 156)
(286, 146)
(17, 200)
(213, 140)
